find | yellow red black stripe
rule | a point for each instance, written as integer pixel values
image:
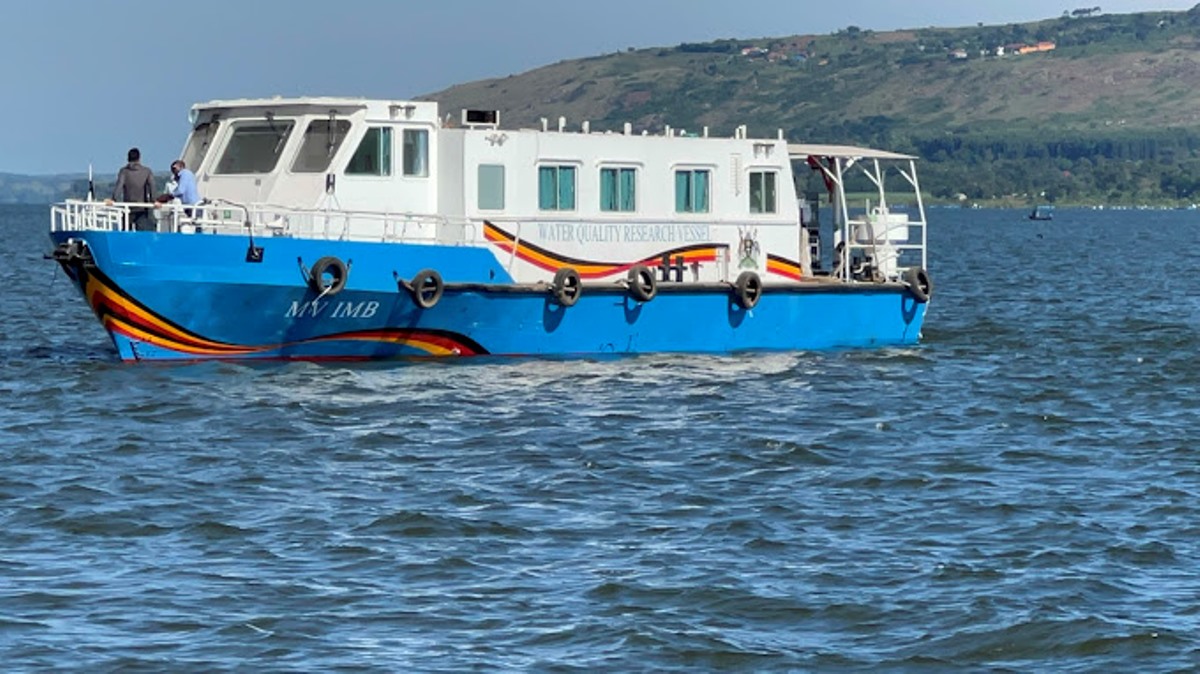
(782, 266)
(433, 342)
(120, 313)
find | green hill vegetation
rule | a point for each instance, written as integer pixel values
(26, 189)
(1108, 111)
(22, 189)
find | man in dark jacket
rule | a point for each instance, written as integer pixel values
(135, 184)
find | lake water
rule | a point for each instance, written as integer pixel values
(1021, 492)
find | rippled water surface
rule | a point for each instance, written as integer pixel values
(1018, 493)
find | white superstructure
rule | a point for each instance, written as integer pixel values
(363, 169)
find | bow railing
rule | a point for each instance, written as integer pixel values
(227, 217)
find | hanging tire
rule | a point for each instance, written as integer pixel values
(328, 276)
(567, 286)
(748, 289)
(643, 285)
(427, 288)
(919, 283)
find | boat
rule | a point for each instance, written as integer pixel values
(346, 228)
(1042, 213)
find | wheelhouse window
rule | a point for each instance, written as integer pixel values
(691, 191)
(254, 147)
(198, 144)
(491, 187)
(416, 152)
(556, 188)
(374, 154)
(618, 188)
(321, 141)
(762, 191)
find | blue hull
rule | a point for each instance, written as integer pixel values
(195, 296)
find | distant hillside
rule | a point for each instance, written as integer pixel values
(20, 189)
(1086, 106)
(24, 189)
(1083, 108)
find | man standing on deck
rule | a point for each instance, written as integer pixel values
(185, 187)
(135, 184)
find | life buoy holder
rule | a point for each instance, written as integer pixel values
(427, 288)
(643, 285)
(748, 289)
(919, 283)
(330, 267)
(567, 286)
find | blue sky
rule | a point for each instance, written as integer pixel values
(84, 81)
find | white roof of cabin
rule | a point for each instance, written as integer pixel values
(426, 109)
(843, 151)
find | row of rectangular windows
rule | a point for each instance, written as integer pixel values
(255, 147)
(618, 189)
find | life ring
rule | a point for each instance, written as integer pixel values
(748, 288)
(643, 285)
(919, 283)
(332, 267)
(567, 286)
(427, 288)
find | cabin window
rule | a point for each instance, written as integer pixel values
(321, 141)
(762, 191)
(556, 188)
(254, 147)
(198, 144)
(691, 191)
(617, 189)
(491, 187)
(416, 152)
(374, 154)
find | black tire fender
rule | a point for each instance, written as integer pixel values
(567, 286)
(332, 267)
(919, 283)
(748, 289)
(427, 288)
(643, 285)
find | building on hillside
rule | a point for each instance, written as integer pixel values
(1035, 48)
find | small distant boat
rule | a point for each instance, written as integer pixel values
(1042, 213)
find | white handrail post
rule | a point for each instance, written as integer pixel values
(844, 210)
(912, 167)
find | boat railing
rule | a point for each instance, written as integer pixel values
(876, 244)
(888, 242)
(883, 250)
(74, 215)
(232, 218)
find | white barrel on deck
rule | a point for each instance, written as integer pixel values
(883, 225)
